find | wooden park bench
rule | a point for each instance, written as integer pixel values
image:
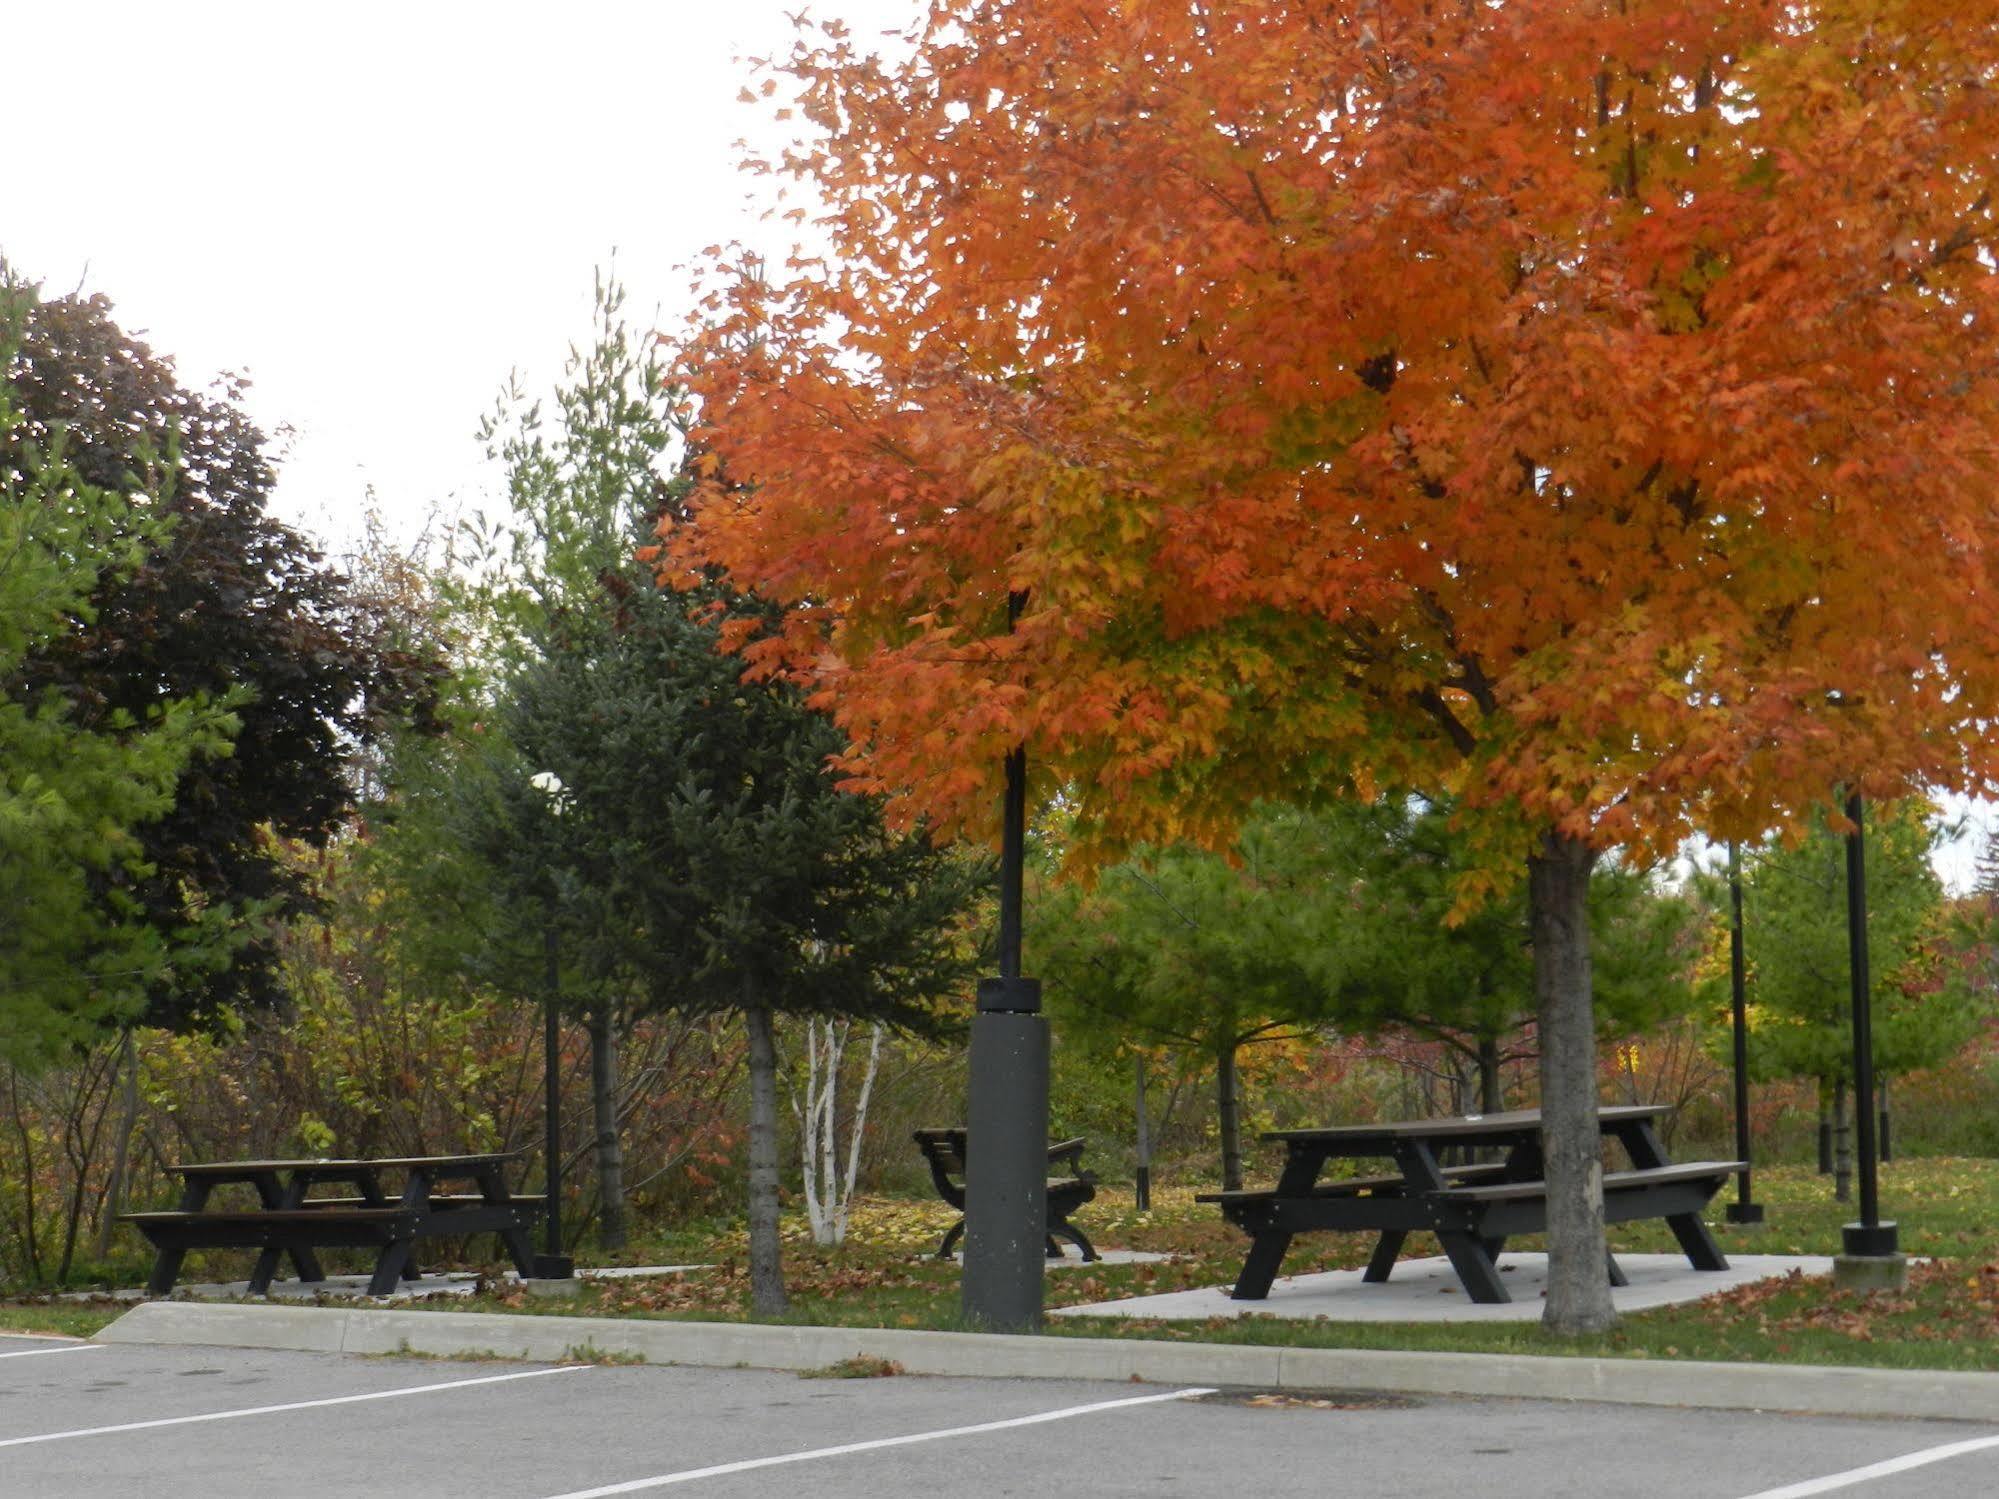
(944, 1150)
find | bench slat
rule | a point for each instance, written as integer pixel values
(1348, 1186)
(302, 1217)
(1612, 1181)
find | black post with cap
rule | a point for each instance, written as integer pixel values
(1745, 1208)
(1006, 1150)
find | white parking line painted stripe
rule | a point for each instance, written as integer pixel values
(1892, 1465)
(688, 1475)
(66, 1348)
(295, 1405)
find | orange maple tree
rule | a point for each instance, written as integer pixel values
(1586, 407)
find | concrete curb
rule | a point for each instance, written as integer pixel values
(1807, 1389)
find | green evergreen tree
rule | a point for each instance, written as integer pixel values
(1342, 917)
(615, 789)
(225, 602)
(1794, 919)
(78, 947)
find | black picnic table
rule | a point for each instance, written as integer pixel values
(1472, 1209)
(288, 1221)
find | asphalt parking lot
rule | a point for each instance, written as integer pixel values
(228, 1423)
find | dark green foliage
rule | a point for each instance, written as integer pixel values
(79, 789)
(1342, 916)
(228, 601)
(1391, 955)
(1795, 938)
(701, 839)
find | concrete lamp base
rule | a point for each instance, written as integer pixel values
(1872, 1261)
(1870, 1272)
(552, 1289)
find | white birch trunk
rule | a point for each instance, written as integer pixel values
(829, 1190)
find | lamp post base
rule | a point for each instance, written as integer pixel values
(553, 1278)
(1743, 1212)
(1006, 1172)
(1871, 1260)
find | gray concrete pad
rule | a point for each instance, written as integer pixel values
(1427, 1290)
(1071, 1257)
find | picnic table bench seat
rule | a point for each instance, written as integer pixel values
(257, 1228)
(1351, 1186)
(437, 1201)
(944, 1152)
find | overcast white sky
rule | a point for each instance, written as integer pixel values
(377, 210)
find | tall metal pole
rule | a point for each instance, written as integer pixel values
(1143, 1195)
(1870, 1236)
(1006, 1148)
(551, 1263)
(1745, 1209)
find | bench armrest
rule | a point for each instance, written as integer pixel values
(1070, 1151)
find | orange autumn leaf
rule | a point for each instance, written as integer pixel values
(1589, 406)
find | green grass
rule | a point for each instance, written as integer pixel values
(73, 1319)
(884, 1277)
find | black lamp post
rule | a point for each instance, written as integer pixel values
(1006, 1155)
(1745, 1209)
(1870, 1238)
(551, 1263)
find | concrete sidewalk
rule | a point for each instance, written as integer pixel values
(1428, 1290)
(1761, 1387)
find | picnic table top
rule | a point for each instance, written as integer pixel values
(1455, 1126)
(334, 1166)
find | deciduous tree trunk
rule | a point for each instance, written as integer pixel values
(1229, 1115)
(767, 1297)
(611, 1217)
(1491, 1100)
(1558, 901)
(829, 1195)
(121, 1150)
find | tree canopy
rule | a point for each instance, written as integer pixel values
(222, 600)
(1629, 369)
(1585, 410)
(79, 790)
(1794, 917)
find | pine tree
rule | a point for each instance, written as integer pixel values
(77, 948)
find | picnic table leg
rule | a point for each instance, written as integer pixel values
(951, 1238)
(515, 1241)
(166, 1270)
(167, 1262)
(1646, 1150)
(303, 1259)
(1474, 1266)
(1386, 1248)
(389, 1267)
(1701, 1250)
(1259, 1269)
